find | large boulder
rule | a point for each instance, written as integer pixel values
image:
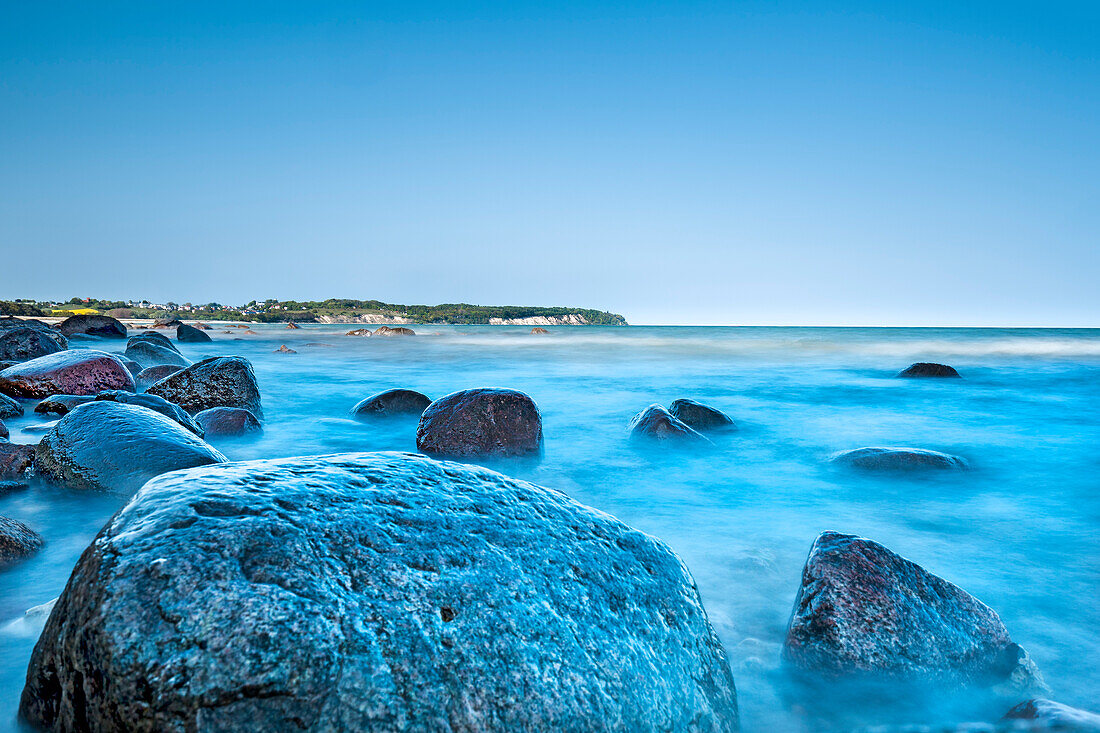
(154, 403)
(77, 372)
(1055, 716)
(863, 611)
(17, 541)
(655, 424)
(898, 459)
(155, 338)
(392, 403)
(228, 422)
(28, 339)
(62, 404)
(110, 446)
(374, 592)
(9, 407)
(92, 325)
(190, 334)
(149, 376)
(149, 354)
(700, 417)
(15, 461)
(487, 422)
(220, 381)
(928, 369)
(399, 331)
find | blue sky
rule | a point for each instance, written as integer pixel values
(777, 162)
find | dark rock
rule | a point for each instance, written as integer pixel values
(228, 422)
(10, 487)
(221, 381)
(154, 338)
(167, 323)
(17, 541)
(898, 459)
(927, 369)
(62, 404)
(15, 459)
(700, 417)
(360, 332)
(539, 329)
(148, 354)
(131, 366)
(655, 423)
(1055, 716)
(399, 331)
(284, 350)
(392, 403)
(92, 325)
(110, 446)
(484, 422)
(4, 434)
(28, 339)
(9, 407)
(146, 378)
(374, 592)
(203, 326)
(81, 371)
(865, 611)
(190, 334)
(292, 324)
(154, 403)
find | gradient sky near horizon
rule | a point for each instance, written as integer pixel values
(882, 163)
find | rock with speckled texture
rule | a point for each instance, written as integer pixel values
(92, 325)
(62, 404)
(17, 541)
(149, 376)
(481, 423)
(700, 417)
(15, 461)
(392, 403)
(656, 425)
(22, 339)
(378, 591)
(76, 372)
(220, 381)
(898, 459)
(9, 407)
(154, 403)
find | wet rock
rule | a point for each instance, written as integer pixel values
(655, 423)
(374, 592)
(110, 446)
(148, 354)
(154, 403)
(154, 338)
(61, 404)
(10, 487)
(1055, 716)
(190, 334)
(485, 422)
(700, 417)
(131, 366)
(359, 332)
(15, 460)
(17, 541)
(864, 611)
(539, 329)
(399, 331)
(204, 326)
(4, 434)
(221, 381)
(39, 428)
(9, 407)
(392, 403)
(21, 340)
(146, 378)
(167, 323)
(92, 325)
(292, 324)
(928, 369)
(284, 350)
(228, 422)
(250, 332)
(78, 372)
(898, 459)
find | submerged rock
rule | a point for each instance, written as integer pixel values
(655, 423)
(700, 417)
(374, 592)
(15, 461)
(92, 325)
(487, 422)
(228, 422)
(190, 334)
(898, 459)
(9, 407)
(61, 404)
(928, 369)
(77, 372)
(391, 403)
(220, 381)
(539, 329)
(154, 403)
(292, 324)
(17, 541)
(146, 378)
(28, 339)
(1055, 716)
(284, 349)
(399, 331)
(149, 354)
(110, 446)
(864, 611)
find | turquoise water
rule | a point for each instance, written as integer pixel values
(1021, 530)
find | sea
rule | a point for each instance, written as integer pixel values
(1020, 529)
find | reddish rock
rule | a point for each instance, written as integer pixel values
(15, 459)
(486, 422)
(360, 332)
(76, 372)
(227, 422)
(399, 331)
(539, 329)
(17, 541)
(284, 350)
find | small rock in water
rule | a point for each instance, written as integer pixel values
(228, 422)
(22, 339)
(898, 459)
(863, 610)
(220, 381)
(539, 329)
(92, 325)
(284, 350)
(61, 404)
(9, 407)
(15, 460)
(392, 403)
(17, 541)
(399, 331)
(360, 332)
(110, 446)
(10, 487)
(375, 592)
(928, 369)
(657, 424)
(167, 323)
(700, 417)
(1055, 716)
(486, 422)
(292, 324)
(250, 332)
(79, 372)
(146, 378)
(190, 334)
(154, 403)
